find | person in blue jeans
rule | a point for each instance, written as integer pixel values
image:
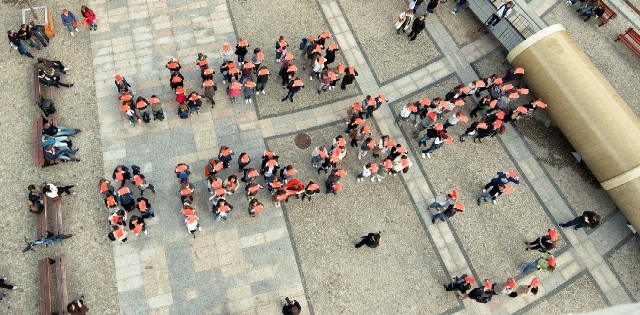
(459, 6)
(68, 20)
(57, 131)
(587, 219)
(15, 41)
(62, 153)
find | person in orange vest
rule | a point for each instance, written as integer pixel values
(460, 284)
(126, 198)
(367, 145)
(176, 80)
(231, 184)
(257, 59)
(173, 65)
(311, 189)
(348, 78)
(249, 91)
(387, 165)
(274, 184)
(329, 162)
(262, 79)
(202, 61)
(224, 70)
(287, 173)
(372, 240)
(255, 207)
(225, 156)
(104, 186)
(250, 175)
(325, 81)
(137, 225)
(268, 155)
(234, 89)
(118, 234)
(243, 161)
(193, 224)
(397, 151)
(318, 154)
(182, 172)
(118, 218)
(322, 38)
(285, 63)
(252, 190)
(278, 197)
(451, 197)
(242, 49)
(332, 187)
(110, 201)
(186, 192)
(384, 145)
(206, 73)
(367, 170)
(194, 102)
(210, 89)
(121, 174)
(221, 210)
(143, 205)
(212, 167)
(141, 181)
(451, 210)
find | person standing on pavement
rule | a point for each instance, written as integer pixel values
(459, 5)
(89, 18)
(544, 264)
(291, 307)
(502, 12)
(448, 213)
(349, 77)
(431, 7)
(587, 219)
(492, 194)
(261, 79)
(69, 21)
(544, 243)
(15, 42)
(417, 27)
(242, 50)
(294, 87)
(404, 21)
(372, 240)
(526, 289)
(141, 181)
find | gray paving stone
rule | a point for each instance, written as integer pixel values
(133, 302)
(263, 286)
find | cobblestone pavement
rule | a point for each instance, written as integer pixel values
(303, 250)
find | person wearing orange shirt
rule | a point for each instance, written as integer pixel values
(250, 175)
(176, 80)
(294, 87)
(141, 181)
(255, 207)
(243, 161)
(221, 210)
(105, 186)
(137, 225)
(262, 79)
(182, 172)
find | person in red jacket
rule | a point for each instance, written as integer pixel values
(89, 18)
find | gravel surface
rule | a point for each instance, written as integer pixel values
(458, 25)
(389, 55)
(342, 279)
(89, 261)
(582, 289)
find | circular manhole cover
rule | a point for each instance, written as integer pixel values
(302, 140)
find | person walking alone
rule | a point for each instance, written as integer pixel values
(371, 240)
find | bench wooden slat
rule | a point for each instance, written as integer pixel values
(41, 219)
(57, 217)
(38, 150)
(608, 15)
(631, 38)
(44, 278)
(61, 285)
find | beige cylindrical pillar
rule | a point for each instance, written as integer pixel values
(595, 119)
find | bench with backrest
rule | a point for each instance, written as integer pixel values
(608, 15)
(38, 150)
(631, 38)
(45, 279)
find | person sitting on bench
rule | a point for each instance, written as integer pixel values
(58, 142)
(52, 64)
(52, 153)
(50, 129)
(592, 10)
(51, 80)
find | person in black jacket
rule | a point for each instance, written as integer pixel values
(371, 240)
(587, 219)
(38, 31)
(15, 41)
(482, 294)
(35, 203)
(51, 80)
(291, 307)
(492, 194)
(24, 33)
(461, 285)
(417, 27)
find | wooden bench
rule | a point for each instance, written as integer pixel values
(42, 223)
(40, 90)
(608, 15)
(631, 38)
(38, 149)
(45, 280)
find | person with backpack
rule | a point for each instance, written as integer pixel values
(544, 243)
(482, 294)
(460, 285)
(305, 44)
(372, 240)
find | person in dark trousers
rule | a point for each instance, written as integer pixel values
(431, 7)
(417, 27)
(77, 307)
(348, 78)
(291, 307)
(448, 213)
(502, 178)
(544, 243)
(587, 219)
(51, 80)
(5, 285)
(37, 30)
(482, 294)
(371, 240)
(502, 12)
(294, 87)
(35, 203)
(15, 41)
(460, 285)
(492, 194)
(25, 35)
